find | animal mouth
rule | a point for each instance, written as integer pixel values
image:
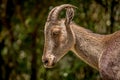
(49, 64)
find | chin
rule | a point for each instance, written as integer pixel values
(49, 66)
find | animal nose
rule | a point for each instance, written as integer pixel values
(48, 61)
(45, 61)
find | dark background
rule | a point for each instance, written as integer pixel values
(21, 37)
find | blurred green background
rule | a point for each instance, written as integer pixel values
(22, 39)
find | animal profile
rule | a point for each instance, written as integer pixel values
(101, 52)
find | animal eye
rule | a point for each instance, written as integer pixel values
(55, 33)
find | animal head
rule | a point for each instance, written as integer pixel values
(59, 37)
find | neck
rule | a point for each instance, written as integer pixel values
(88, 46)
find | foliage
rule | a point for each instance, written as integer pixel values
(22, 39)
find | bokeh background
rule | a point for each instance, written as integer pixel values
(22, 39)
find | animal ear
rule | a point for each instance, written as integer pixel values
(69, 15)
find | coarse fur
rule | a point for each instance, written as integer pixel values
(109, 62)
(99, 51)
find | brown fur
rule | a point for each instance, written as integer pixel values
(102, 52)
(109, 62)
(87, 45)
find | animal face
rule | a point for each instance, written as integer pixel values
(58, 36)
(55, 43)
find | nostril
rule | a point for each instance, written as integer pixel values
(45, 61)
